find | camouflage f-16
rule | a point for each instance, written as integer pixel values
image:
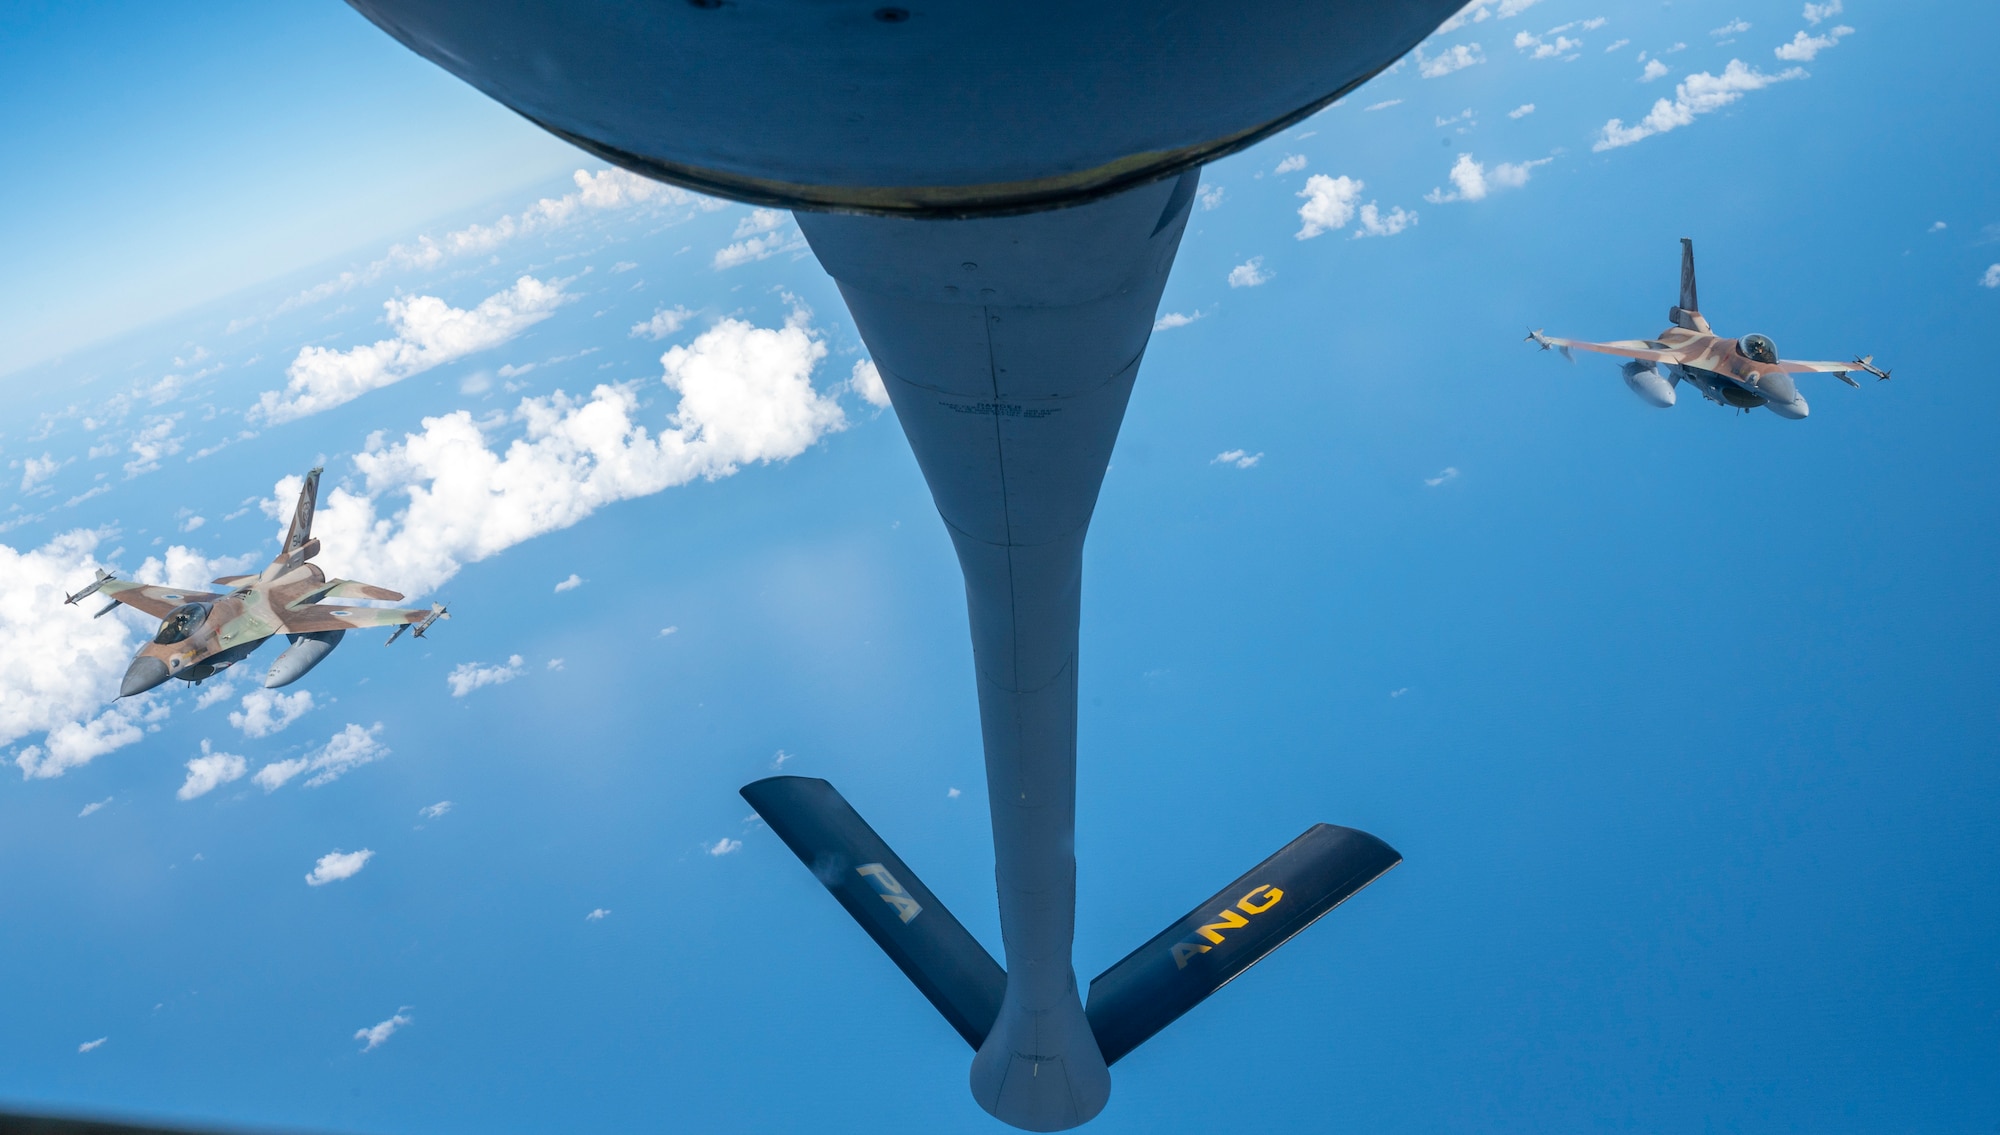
(202, 632)
(1744, 373)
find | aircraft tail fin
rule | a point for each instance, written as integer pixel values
(302, 515)
(1231, 932)
(939, 956)
(1687, 313)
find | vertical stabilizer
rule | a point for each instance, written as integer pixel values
(1688, 301)
(302, 516)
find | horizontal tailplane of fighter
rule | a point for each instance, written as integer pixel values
(1744, 373)
(203, 632)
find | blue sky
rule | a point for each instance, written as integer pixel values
(1683, 720)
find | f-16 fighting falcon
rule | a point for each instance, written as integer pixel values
(1745, 373)
(202, 632)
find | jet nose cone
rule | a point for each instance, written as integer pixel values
(145, 673)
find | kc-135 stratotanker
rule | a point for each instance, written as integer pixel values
(1742, 373)
(204, 632)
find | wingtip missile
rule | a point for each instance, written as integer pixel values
(103, 577)
(437, 612)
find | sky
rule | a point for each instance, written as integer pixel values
(1683, 720)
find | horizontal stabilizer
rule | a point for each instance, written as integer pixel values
(945, 962)
(1231, 932)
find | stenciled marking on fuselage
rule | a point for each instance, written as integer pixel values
(1000, 409)
(1229, 919)
(889, 890)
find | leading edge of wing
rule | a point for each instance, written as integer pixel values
(325, 617)
(1626, 348)
(153, 599)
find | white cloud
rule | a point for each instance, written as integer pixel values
(428, 333)
(266, 712)
(1472, 181)
(1237, 457)
(376, 1034)
(1936, 227)
(1173, 319)
(746, 395)
(1464, 116)
(1992, 277)
(1522, 111)
(1448, 473)
(1654, 70)
(665, 322)
(666, 631)
(337, 865)
(210, 771)
(597, 915)
(1292, 164)
(605, 190)
(1814, 13)
(61, 665)
(213, 692)
(952, 794)
(1211, 196)
(555, 663)
(469, 676)
(571, 584)
(779, 758)
(1562, 45)
(1480, 10)
(1396, 693)
(1698, 94)
(723, 846)
(866, 380)
(35, 470)
(623, 266)
(89, 1045)
(93, 806)
(1805, 48)
(1385, 104)
(1374, 222)
(347, 750)
(1456, 58)
(1733, 27)
(1616, 44)
(1330, 204)
(763, 233)
(192, 523)
(152, 442)
(435, 811)
(1511, 8)
(1249, 274)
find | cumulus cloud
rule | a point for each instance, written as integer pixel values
(1654, 69)
(1805, 48)
(571, 584)
(214, 692)
(1249, 274)
(266, 712)
(334, 866)
(1172, 319)
(35, 470)
(151, 442)
(469, 676)
(1522, 111)
(597, 915)
(61, 665)
(1481, 10)
(1292, 164)
(1237, 457)
(866, 380)
(1448, 473)
(723, 846)
(1992, 277)
(746, 396)
(605, 190)
(1733, 27)
(761, 234)
(1211, 196)
(1456, 58)
(952, 794)
(348, 749)
(1332, 203)
(1472, 181)
(435, 811)
(210, 771)
(665, 322)
(666, 631)
(376, 1034)
(1539, 48)
(428, 333)
(1815, 13)
(1698, 94)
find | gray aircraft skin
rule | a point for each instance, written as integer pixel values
(1740, 373)
(999, 191)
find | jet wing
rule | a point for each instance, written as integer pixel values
(329, 617)
(1837, 370)
(153, 600)
(1651, 350)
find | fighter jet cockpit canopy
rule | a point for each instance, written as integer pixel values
(180, 622)
(1758, 348)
